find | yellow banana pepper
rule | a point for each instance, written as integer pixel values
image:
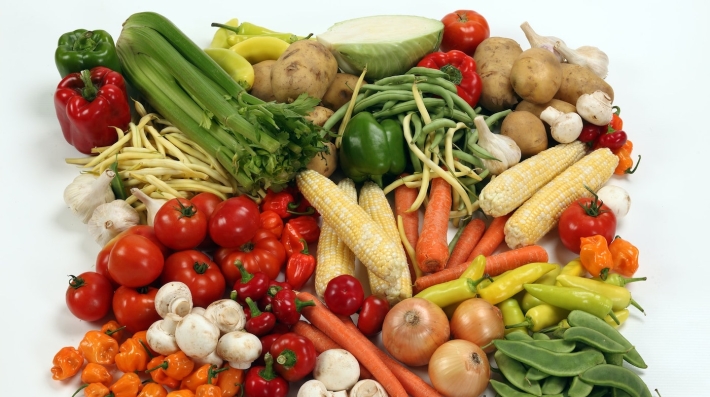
(260, 48)
(234, 64)
(222, 36)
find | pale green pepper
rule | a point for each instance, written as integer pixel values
(512, 281)
(222, 35)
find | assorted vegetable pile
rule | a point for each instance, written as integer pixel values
(275, 213)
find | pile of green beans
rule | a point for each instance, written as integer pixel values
(586, 360)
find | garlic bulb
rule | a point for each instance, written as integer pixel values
(87, 191)
(503, 148)
(591, 57)
(110, 219)
(152, 205)
(546, 42)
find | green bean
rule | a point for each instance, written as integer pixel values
(506, 390)
(389, 104)
(540, 336)
(444, 83)
(401, 107)
(416, 162)
(580, 318)
(579, 388)
(438, 137)
(594, 339)
(438, 123)
(515, 372)
(480, 152)
(381, 97)
(457, 115)
(427, 72)
(399, 79)
(340, 113)
(554, 385)
(469, 158)
(536, 374)
(557, 364)
(616, 377)
(522, 335)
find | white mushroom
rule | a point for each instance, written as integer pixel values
(173, 297)
(595, 108)
(211, 358)
(198, 310)
(338, 369)
(339, 393)
(239, 348)
(196, 335)
(368, 388)
(616, 198)
(161, 335)
(564, 127)
(313, 388)
(227, 315)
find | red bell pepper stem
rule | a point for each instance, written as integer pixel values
(287, 307)
(260, 323)
(89, 91)
(287, 358)
(251, 285)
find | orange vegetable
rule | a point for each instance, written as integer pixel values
(404, 197)
(208, 390)
(230, 381)
(96, 390)
(470, 236)
(626, 163)
(99, 348)
(595, 255)
(66, 363)
(432, 247)
(491, 239)
(132, 356)
(152, 389)
(140, 336)
(114, 330)
(176, 365)
(96, 373)
(625, 257)
(157, 373)
(181, 393)
(127, 385)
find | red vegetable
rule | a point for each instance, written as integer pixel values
(464, 30)
(250, 285)
(287, 307)
(307, 226)
(259, 323)
(344, 295)
(372, 314)
(586, 217)
(300, 267)
(262, 381)
(180, 225)
(292, 240)
(461, 69)
(263, 253)
(234, 222)
(135, 308)
(89, 296)
(135, 261)
(294, 356)
(272, 222)
(198, 272)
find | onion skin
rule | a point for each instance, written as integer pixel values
(413, 329)
(477, 321)
(459, 368)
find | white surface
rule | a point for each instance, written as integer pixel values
(657, 52)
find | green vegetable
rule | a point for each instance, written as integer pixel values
(556, 364)
(616, 377)
(260, 144)
(382, 44)
(515, 372)
(579, 388)
(594, 339)
(85, 49)
(553, 385)
(371, 150)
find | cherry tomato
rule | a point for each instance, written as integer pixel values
(586, 217)
(206, 202)
(294, 356)
(464, 30)
(234, 222)
(263, 253)
(344, 295)
(135, 261)
(89, 296)
(590, 132)
(180, 225)
(612, 140)
(372, 315)
(198, 272)
(135, 307)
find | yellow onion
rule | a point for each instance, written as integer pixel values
(477, 321)
(459, 368)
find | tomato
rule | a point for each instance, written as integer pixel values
(344, 295)
(263, 253)
(294, 356)
(586, 217)
(198, 272)
(180, 225)
(89, 296)
(135, 308)
(234, 222)
(135, 261)
(206, 202)
(103, 255)
(372, 315)
(464, 30)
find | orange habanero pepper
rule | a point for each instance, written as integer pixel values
(132, 356)
(143, 339)
(95, 390)
(152, 389)
(595, 255)
(626, 163)
(208, 390)
(66, 363)
(198, 377)
(625, 256)
(177, 365)
(181, 393)
(99, 348)
(156, 372)
(230, 381)
(96, 373)
(127, 385)
(114, 330)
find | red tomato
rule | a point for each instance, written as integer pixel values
(206, 202)
(135, 261)
(142, 230)
(180, 225)
(586, 217)
(234, 222)
(344, 295)
(372, 315)
(294, 356)
(464, 30)
(135, 308)
(198, 272)
(89, 296)
(264, 253)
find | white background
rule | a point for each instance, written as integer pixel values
(657, 51)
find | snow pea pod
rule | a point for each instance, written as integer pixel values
(536, 374)
(515, 372)
(617, 377)
(594, 339)
(557, 364)
(506, 390)
(540, 336)
(555, 345)
(519, 336)
(572, 298)
(554, 385)
(579, 388)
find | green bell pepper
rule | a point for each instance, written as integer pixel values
(85, 49)
(372, 149)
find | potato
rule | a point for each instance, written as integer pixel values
(494, 59)
(536, 75)
(262, 81)
(325, 163)
(578, 80)
(527, 130)
(340, 91)
(305, 67)
(536, 109)
(319, 115)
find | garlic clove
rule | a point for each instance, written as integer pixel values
(152, 205)
(110, 219)
(503, 148)
(546, 42)
(87, 191)
(591, 57)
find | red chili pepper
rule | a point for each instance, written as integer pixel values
(89, 105)
(266, 342)
(272, 222)
(300, 267)
(287, 307)
(294, 356)
(612, 140)
(590, 133)
(307, 226)
(250, 285)
(292, 240)
(280, 202)
(274, 288)
(259, 323)
(462, 71)
(262, 381)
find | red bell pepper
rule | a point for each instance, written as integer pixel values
(294, 356)
(461, 69)
(259, 323)
(292, 240)
(262, 381)
(284, 204)
(89, 105)
(274, 288)
(307, 226)
(272, 222)
(250, 285)
(300, 267)
(287, 307)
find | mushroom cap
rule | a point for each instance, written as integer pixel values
(239, 347)
(173, 297)
(196, 335)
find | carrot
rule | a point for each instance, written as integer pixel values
(354, 342)
(404, 197)
(494, 263)
(491, 239)
(507, 260)
(432, 246)
(412, 383)
(322, 342)
(469, 238)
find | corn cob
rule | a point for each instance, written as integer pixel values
(515, 185)
(377, 252)
(374, 202)
(539, 214)
(334, 257)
